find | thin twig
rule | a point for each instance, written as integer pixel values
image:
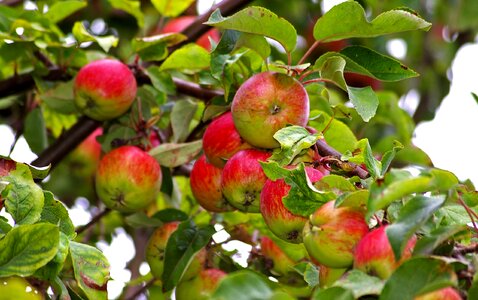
(141, 290)
(93, 221)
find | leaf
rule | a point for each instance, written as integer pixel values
(360, 284)
(183, 244)
(26, 248)
(82, 35)
(333, 69)
(171, 214)
(293, 140)
(172, 155)
(335, 183)
(254, 42)
(347, 20)
(389, 156)
(338, 135)
(162, 81)
(419, 275)
(190, 57)
(364, 100)
(62, 9)
(91, 269)
(54, 266)
(454, 215)
(429, 242)
(39, 172)
(55, 212)
(35, 131)
(374, 167)
(131, 7)
(412, 216)
(311, 274)
(171, 8)
(155, 48)
(475, 97)
(181, 117)
(356, 199)
(140, 219)
(242, 285)
(258, 20)
(23, 198)
(333, 293)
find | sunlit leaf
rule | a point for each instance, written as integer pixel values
(173, 155)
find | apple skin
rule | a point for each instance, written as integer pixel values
(267, 102)
(221, 140)
(359, 80)
(243, 179)
(128, 179)
(16, 287)
(327, 275)
(281, 263)
(86, 156)
(104, 89)
(205, 180)
(278, 218)
(374, 255)
(331, 234)
(201, 287)
(447, 293)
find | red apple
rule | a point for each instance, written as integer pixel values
(104, 89)
(374, 254)
(359, 80)
(243, 179)
(201, 287)
(267, 102)
(278, 218)
(86, 156)
(281, 263)
(221, 140)
(128, 179)
(205, 180)
(327, 275)
(447, 293)
(331, 234)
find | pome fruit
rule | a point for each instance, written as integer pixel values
(331, 233)
(267, 102)
(205, 180)
(86, 156)
(200, 287)
(104, 89)
(281, 264)
(374, 254)
(278, 218)
(128, 179)
(327, 275)
(447, 293)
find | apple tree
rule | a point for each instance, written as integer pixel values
(274, 124)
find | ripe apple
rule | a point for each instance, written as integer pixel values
(104, 89)
(447, 293)
(205, 180)
(85, 158)
(281, 263)
(180, 23)
(128, 179)
(278, 218)
(243, 179)
(331, 234)
(201, 287)
(327, 275)
(359, 80)
(374, 255)
(221, 140)
(267, 102)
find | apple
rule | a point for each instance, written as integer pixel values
(267, 102)
(331, 234)
(278, 218)
(128, 179)
(221, 140)
(16, 287)
(281, 263)
(375, 256)
(85, 158)
(104, 89)
(447, 293)
(359, 80)
(201, 287)
(205, 180)
(180, 23)
(243, 179)
(327, 275)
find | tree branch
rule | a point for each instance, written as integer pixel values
(93, 221)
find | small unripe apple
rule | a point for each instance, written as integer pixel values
(447, 293)
(278, 218)
(281, 263)
(104, 89)
(243, 179)
(221, 140)
(15, 287)
(331, 234)
(128, 179)
(267, 102)
(201, 287)
(205, 180)
(374, 254)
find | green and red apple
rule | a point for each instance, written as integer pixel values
(281, 264)
(200, 287)
(447, 293)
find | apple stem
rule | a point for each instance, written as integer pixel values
(309, 51)
(470, 213)
(318, 80)
(328, 124)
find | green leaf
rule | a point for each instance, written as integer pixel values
(55, 212)
(273, 170)
(26, 248)
(190, 57)
(35, 131)
(131, 7)
(364, 100)
(333, 69)
(254, 42)
(171, 8)
(155, 48)
(374, 167)
(419, 275)
(429, 242)
(453, 215)
(82, 35)
(311, 274)
(293, 140)
(334, 183)
(242, 285)
(388, 157)
(356, 199)
(347, 20)
(333, 293)
(173, 155)
(360, 284)
(140, 219)
(171, 214)
(91, 269)
(23, 198)
(338, 135)
(475, 97)
(412, 216)
(181, 117)
(258, 20)
(183, 244)
(62, 9)
(39, 172)
(162, 81)
(51, 270)
(5, 227)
